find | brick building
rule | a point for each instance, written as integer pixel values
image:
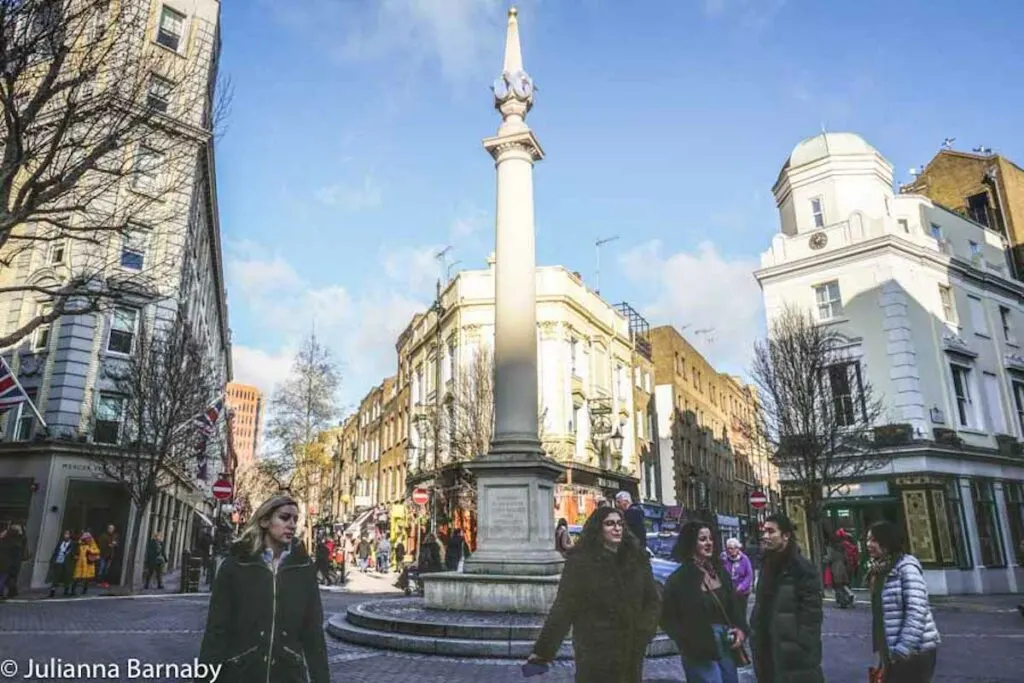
(246, 403)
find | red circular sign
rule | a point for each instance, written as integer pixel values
(420, 496)
(758, 500)
(222, 489)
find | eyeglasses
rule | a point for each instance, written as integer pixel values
(612, 522)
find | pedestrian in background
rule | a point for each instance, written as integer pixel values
(383, 555)
(838, 567)
(787, 616)
(109, 541)
(86, 562)
(701, 609)
(634, 516)
(563, 541)
(363, 553)
(740, 570)
(608, 597)
(62, 564)
(265, 621)
(154, 562)
(457, 549)
(13, 551)
(903, 630)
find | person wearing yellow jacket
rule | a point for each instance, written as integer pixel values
(85, 563)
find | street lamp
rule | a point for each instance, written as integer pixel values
(616, 439)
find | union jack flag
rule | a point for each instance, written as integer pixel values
(207, 420)
(11, 393)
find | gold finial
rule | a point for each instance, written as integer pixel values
(512, 11)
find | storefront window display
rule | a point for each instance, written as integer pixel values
(1014, 493)
(987, 517)
(958, 525)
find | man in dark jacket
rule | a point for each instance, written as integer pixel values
(787, 615)
(634, 515)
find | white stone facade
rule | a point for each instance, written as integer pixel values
(934, 321)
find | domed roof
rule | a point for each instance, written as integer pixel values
(826, 144)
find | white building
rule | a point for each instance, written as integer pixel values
(48, 481)
(590, 372)
(932, 317)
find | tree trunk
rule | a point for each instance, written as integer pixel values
(133, 545)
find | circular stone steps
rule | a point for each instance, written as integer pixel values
(404, 624)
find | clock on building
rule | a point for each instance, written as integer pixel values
(818, 240)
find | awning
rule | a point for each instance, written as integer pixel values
(206, 520)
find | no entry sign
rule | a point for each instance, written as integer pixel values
(222, 489)
(758, 500)
(420, 496)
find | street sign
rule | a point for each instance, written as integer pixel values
(758, 500)
(222, 489)
(420, 496)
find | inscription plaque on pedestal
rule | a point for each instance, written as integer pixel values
(508, 513)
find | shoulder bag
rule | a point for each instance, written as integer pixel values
(738, 653)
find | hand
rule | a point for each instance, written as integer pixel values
(738, 638)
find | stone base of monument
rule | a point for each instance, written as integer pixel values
(408, 625)
(489, 592)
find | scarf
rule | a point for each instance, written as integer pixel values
(880, 568)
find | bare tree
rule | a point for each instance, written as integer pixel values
(817, 412)
(155, 441)
(101, 131)
(255, 481)
(302, 406)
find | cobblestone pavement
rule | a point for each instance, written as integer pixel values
(167, 629)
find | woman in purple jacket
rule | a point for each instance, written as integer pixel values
(740, 571)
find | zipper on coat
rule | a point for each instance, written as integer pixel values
(273, 619)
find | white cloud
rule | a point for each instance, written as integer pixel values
(351, 197)
(416, 269)
(254, 273)
(702, 290)
(261, 368)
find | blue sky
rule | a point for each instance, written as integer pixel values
(353, 150)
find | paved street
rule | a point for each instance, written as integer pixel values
(984, 643)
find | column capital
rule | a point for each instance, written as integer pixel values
(524, 142)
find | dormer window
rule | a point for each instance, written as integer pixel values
(818, 212)
(936, 231)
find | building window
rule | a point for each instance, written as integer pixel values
(977, 208)
(818, 212)
(948, 303)
(56, 252)
(123, 326)
(845, 383)
(958, 525)
(133, 248)
(975, 251)
(25, 423)
(41, 337)
(1013, 492)
(904, 225)
(109, 413)
(830, 304)
(977, 315)
(936, 231)
(159, 96)
(997, 421)
(172, 26)
(962, 390)
(985, 514)
(1006, 319)
(145, 169)
(1018, 403)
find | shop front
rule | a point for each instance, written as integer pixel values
(582, 488)
(961, 528)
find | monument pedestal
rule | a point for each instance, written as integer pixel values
(515, 567)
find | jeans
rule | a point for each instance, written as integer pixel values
(721, 671)
(153, 570)
(382, 563)
(364, 564)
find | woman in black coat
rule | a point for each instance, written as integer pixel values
(700, 610)
(265, 619)
(608, 596)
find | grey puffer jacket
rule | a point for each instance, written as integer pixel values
(909, 625)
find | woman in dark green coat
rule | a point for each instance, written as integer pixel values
(266, 620)
(608, 596)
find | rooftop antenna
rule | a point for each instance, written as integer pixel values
(442, 256)
(982, 150)
(450, 266)
(948, 143)
(597, 245)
